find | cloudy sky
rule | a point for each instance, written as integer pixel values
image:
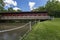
(24, 5)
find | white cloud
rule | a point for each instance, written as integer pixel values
(7, 5)
(16, 8)
(58, 0)
(31, 5)
(35, 8)
(10, 2)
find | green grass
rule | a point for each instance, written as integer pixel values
(47, 30)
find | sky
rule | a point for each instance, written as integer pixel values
(24, 5)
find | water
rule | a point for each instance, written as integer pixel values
(15, 34)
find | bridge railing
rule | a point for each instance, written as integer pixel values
(25, 17)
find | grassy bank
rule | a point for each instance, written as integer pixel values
(47, 30)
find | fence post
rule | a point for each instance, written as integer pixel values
(30, 25)
(39, 20)
(35, 21)
(53, 18)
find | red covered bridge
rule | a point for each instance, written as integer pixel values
(24, 15)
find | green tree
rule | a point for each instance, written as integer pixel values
(11, 10)
(18, 10)
(53, 8)
(42, 8)
(1, 6)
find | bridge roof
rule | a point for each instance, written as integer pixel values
(22, 12)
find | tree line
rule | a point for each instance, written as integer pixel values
(10, 9)
(52, 7)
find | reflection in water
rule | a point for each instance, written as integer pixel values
(7, 36)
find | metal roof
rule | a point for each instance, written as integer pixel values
(22, 12)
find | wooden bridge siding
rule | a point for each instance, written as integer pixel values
(25, 17)
(25, 14)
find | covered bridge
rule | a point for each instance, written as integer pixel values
(24, 16)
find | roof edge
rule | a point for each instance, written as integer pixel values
(26, 12)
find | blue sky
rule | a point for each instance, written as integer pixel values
(24, 4)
